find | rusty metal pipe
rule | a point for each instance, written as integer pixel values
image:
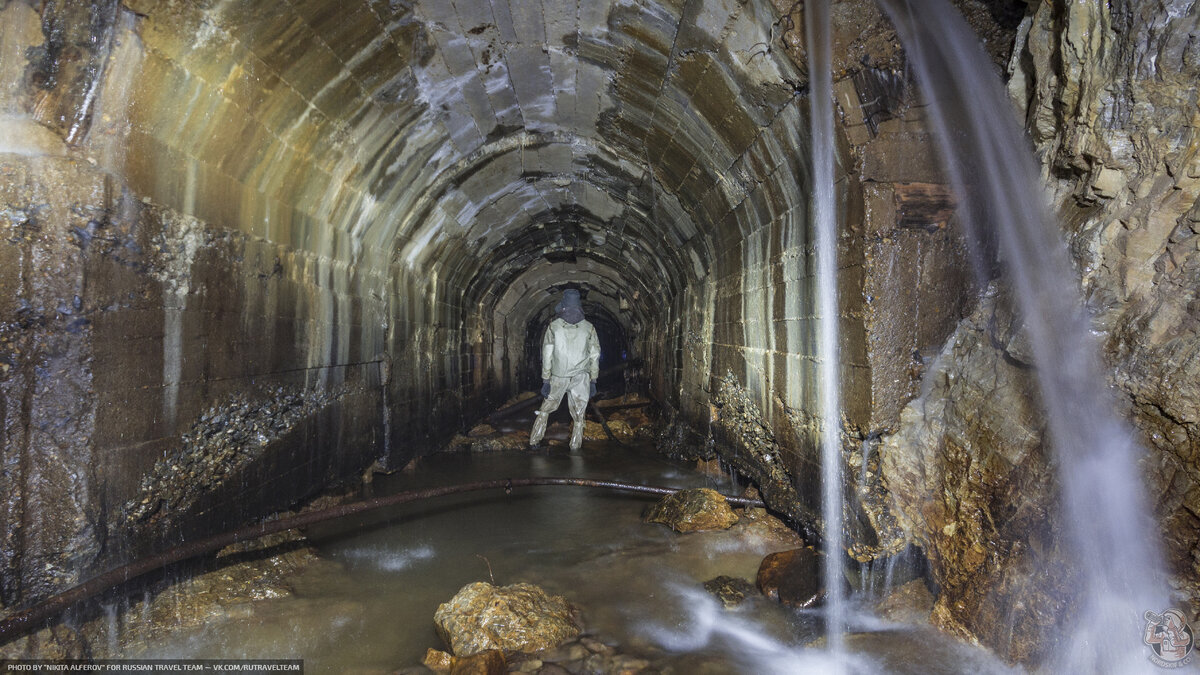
(25, 620)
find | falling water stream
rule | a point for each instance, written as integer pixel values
(993, 173)
(820, 68)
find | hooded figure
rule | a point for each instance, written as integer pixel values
(570, 365)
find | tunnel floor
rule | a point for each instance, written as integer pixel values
(638, 585)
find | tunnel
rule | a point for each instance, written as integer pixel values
(252, 249)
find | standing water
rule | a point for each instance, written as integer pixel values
(639, 586)
(820, 69)
(994, 175)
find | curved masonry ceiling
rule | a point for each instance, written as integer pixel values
(468, 141)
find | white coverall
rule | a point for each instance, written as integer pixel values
(570, 360)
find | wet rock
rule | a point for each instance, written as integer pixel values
(626, 665)
(621, 429)
(594, 431)
(481, 430)
(693, 510)
(743, 436)
(731, 591)
(571, 651)
(438, 661)
(595, 646)
(520, 618)
(629, 416)
(485, 438)
(973, 485)
(490, 662)
(766, 530)
(711, 467)
(513, 441)
(526, 666)
(910, 603)
(793, 578)
(460, 443)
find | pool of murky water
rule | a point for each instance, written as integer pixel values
(638, 585)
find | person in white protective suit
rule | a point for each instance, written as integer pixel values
(570, 365)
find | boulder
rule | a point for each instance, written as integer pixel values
(793, 577)
(767, 530)
(693, 510)
(910, 603)
(516, 618)
(731, 591)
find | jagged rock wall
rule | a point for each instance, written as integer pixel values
(1108, 92)
(973, 484)
(1115, 87)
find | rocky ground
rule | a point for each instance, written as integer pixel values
(628, 418)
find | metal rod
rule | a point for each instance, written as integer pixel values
(25, 620)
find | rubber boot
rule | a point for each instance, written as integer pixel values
(576, 435)
(539, 429)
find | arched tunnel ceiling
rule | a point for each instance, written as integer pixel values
(476, 138)
(598, 129)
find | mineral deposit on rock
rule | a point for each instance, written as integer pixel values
(693, 510)
(516, 618)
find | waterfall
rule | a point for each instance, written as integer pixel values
(993, 173)
(820, 68)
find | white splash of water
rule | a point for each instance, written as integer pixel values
(706, 625)
(389, 559)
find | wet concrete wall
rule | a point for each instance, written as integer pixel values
(158, 341)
